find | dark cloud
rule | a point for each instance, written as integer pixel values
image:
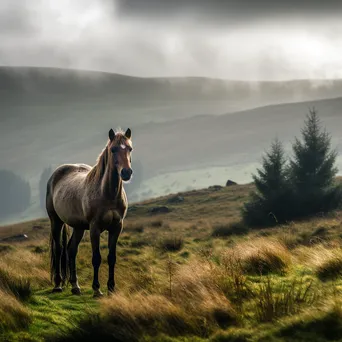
(224, 10)
(226, 39)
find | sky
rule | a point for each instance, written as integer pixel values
(242, 40)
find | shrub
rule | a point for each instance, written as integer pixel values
(15, 194)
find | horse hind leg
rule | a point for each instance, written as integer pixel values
(75, 240)
(56, 253)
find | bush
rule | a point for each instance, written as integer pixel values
(15, 194)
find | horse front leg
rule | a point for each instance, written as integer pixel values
(113, 236)
(95, 233)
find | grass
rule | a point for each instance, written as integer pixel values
(234, 228)
(17, 286)
(194, 274)
(276, 300)
(329, 266)
(171, 244)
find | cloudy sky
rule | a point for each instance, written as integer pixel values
(248, 40)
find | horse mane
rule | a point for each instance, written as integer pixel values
(98, 171)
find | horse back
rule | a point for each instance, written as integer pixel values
(65, 190)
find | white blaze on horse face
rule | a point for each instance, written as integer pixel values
(124, 155)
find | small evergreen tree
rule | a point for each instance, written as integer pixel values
(313, 171)
(270, 203)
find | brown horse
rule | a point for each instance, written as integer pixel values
(85, 197)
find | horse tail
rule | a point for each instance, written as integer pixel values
(64, 258)
(52, 257)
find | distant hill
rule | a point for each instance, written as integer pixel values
(229, 139)
(54, 116)
(56, 84)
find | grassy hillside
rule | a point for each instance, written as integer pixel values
(193, 274)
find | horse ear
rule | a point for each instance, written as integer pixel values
(111, 134)
(128, 133)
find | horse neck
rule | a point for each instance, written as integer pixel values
(111, 184)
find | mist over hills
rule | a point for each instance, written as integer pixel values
(54, 116)
(30, 84)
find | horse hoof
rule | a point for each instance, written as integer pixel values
(76, 291)
(57, 290)
(98, 294)
(112, 291)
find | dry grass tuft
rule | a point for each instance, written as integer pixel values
(171, 244)
(328, 263)
(264, 256)
(13, 315)
(196, 288)
(131, 316)
(197, 306)
(20, 287)
(28, 265)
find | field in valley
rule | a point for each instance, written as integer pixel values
(193, 274)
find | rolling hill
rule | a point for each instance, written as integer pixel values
(53, 116)
(193, 274)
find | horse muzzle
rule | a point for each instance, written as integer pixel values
(126, 174)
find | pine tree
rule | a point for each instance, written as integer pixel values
(313, 169)
(269, 204)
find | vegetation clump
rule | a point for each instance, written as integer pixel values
(301, 187)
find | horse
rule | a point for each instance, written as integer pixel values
(88, 198)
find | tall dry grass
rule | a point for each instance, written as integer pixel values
(263, 256)
(13, 314)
